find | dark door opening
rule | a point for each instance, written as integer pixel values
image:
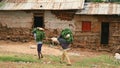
(104, 33)
(38, 21)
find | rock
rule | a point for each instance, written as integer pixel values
(74, 54)
(94, 66)
(33, 47)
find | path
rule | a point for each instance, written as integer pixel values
(30, 48)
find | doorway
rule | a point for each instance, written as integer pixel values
(38, 21)
(105, 33)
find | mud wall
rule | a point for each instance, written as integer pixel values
(15, 25)
(87, 39)
(16, 19)
(114, 30)
(55, 25)
(92, 39)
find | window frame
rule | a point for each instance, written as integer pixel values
(86, 26)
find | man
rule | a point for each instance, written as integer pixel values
(66, 37)
(39, 35)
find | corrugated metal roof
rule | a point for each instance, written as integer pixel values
(41, 4)
(100, 8)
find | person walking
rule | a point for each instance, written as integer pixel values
(39, 35)
(65, 39)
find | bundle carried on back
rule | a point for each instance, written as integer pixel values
(67, 35)
(40, 35)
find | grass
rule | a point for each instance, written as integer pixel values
(16, 58)
(1, 4)
(27, 58)
(102, 61)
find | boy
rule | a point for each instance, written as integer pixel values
(39, 35)
(66, 37)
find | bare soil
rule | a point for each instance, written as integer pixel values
(30, 48)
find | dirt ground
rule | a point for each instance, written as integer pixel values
(30, 48)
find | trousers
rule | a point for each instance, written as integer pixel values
(65, 56)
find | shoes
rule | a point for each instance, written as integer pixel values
(64, 62)
(69, 64)
(61, 62)
(41, 56)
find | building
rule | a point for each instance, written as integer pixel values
(93, 24)
(98, 24)
(19, 17)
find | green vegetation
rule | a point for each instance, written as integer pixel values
(97, 1)
(26, 58)
(102, 0)
(114, 0)
(15, 58)
(1, 4)
(102, 61)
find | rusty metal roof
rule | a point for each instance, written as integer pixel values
(41, 4)
(100, 9)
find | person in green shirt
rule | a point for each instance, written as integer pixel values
(39, 35)
(65, 39)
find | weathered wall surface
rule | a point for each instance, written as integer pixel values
(15, 25)
(16, 19)
(92, 38)
(55, 25)
(87, 39)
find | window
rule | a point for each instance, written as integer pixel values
(86, 26)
